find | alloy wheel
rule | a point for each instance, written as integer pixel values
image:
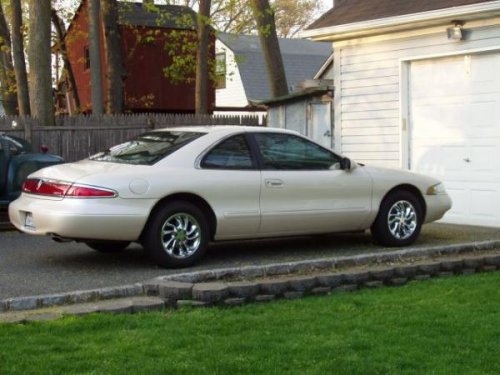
(181, 235)
(402, 220)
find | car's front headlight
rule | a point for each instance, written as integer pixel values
(436, 189)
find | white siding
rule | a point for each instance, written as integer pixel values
(234, 94)
(368, 84)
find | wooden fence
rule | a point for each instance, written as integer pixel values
(77, 137)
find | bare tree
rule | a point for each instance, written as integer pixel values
(114, 59)
(235, 16)
(264, 16)
(7, 76)
(95, 57)
(202, 56)
(39, 58)
(61, 31)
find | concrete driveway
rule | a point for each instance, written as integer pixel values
(36, 265)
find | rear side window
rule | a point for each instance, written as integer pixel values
(232, 153)
(147, 148)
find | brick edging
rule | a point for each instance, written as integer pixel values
(179, 293)
(204, 287)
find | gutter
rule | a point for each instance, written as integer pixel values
(319, 90)
(403, 22)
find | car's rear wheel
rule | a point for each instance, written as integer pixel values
(108, 246)
(177, 235)
(399, 220)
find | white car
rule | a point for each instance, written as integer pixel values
(174, 190)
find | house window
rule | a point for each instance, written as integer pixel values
(220, 70)
(86, 58)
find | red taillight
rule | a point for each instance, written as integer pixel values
(63, 189)
(30, 186)
(46, 187)
(87, 191)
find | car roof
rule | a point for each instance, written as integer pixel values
(226, 129)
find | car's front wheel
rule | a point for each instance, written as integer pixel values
(108, 246)
(177, 235)
(399, 220)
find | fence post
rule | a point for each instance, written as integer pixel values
(28, 134)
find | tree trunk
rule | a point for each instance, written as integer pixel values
(264, 16)
(39, 58)
(201, 90)
(7, 76)
(61, 31)
(23, 99)
(112, 42)
(95, 57)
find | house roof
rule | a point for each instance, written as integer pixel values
(302, 60)
(352, 11)
(167, 16)
(136, 14)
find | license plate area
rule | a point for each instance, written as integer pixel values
(28, 221)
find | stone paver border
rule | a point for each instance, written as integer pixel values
(236, 286)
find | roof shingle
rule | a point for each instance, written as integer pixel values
(351, 11)
(302, 60)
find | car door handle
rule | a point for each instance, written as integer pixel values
(272, 183)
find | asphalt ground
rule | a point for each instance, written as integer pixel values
(31, 265)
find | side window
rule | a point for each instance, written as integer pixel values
(15, 148)
(289, 152)
(233, 153)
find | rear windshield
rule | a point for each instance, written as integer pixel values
(148, 148)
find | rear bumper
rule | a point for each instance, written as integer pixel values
(100, 219)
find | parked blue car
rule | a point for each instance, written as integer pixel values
(17, 161)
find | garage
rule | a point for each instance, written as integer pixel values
(454, 131)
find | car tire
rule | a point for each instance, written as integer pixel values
(177, 235)
(108, 246)
(399, 220)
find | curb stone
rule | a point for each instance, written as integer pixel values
(206, 288)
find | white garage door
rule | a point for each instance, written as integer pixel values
(454, 129)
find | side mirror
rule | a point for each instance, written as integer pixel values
(345, 164)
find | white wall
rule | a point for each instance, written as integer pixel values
(370, 117)
(234, 93)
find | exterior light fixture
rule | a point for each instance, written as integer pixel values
(455, 32)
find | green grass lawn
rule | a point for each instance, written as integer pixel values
(441, 326)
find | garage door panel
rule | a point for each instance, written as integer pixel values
(425, 157)
(480, 68)
(459, 197)
(482, 203)
(485, 162)
(483, 119)
(454, 106)
(427, 117)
